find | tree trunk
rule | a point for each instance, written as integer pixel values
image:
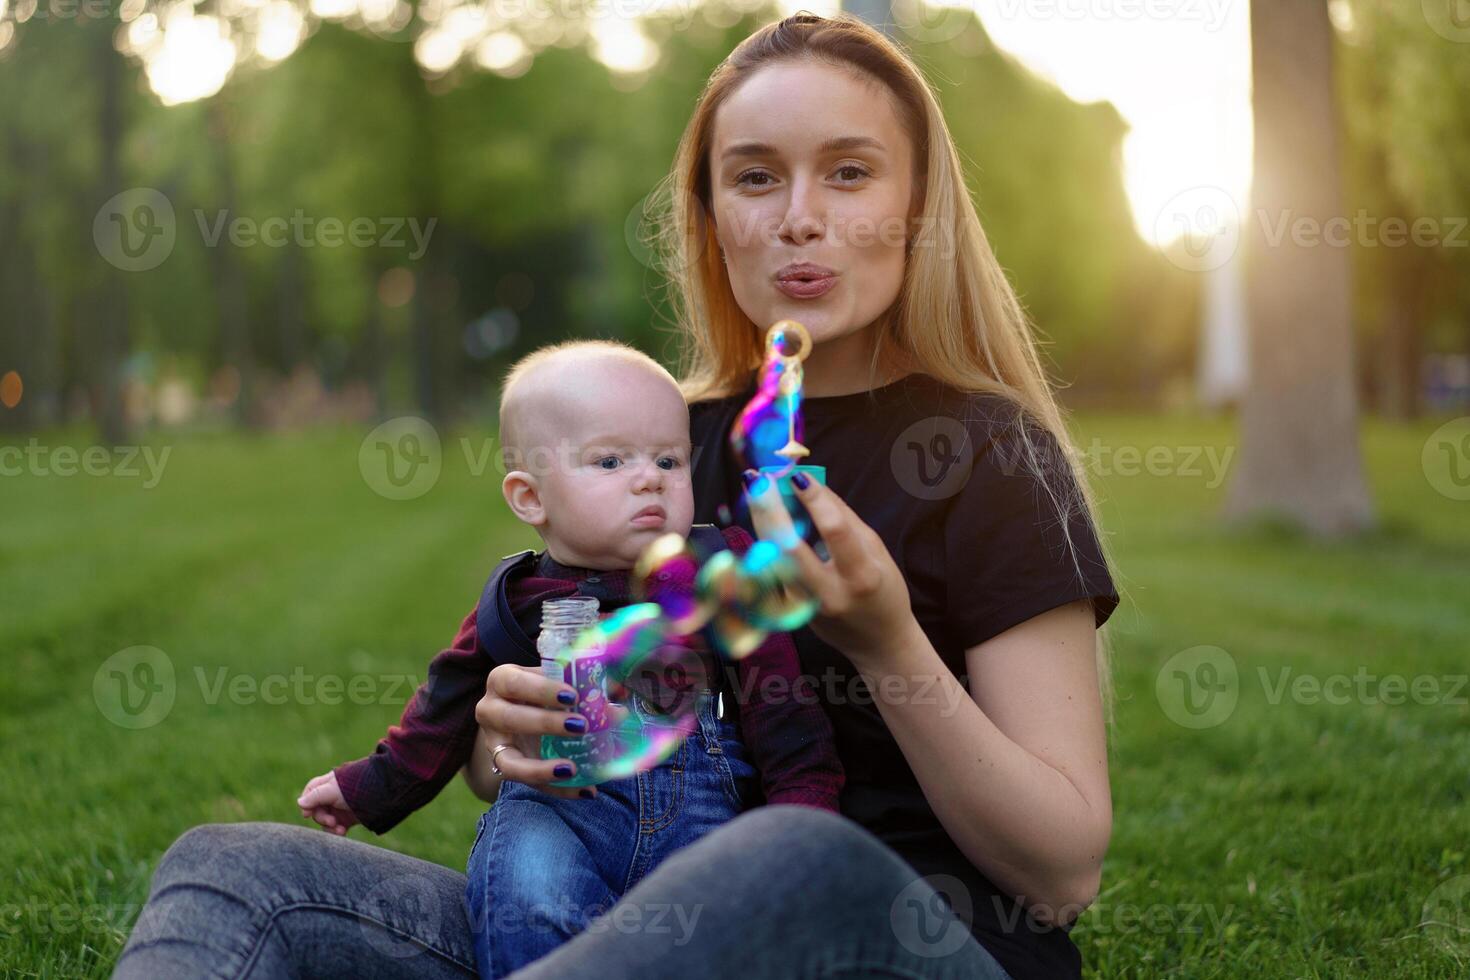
(1408, 270)
(1299, 457)
(230, 289)
(111, 348)
(431, 380)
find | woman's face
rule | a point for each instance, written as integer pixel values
(808, 164)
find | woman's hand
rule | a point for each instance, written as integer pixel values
(520, 705)
(865, 607)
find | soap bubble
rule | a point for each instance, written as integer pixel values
(637, 686)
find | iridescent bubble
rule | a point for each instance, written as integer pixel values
(634, 687)
(666, 574)
(771, 595)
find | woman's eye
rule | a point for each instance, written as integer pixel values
(853, 168)
(749, 176)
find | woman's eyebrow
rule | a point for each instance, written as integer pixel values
(754, 148)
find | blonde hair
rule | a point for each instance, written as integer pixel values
(956, 317)
(514, 387)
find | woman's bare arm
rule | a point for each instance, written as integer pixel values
(1016, 767)
(1016, 772)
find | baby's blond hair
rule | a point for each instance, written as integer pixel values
(516, 388)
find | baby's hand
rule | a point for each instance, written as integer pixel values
(321, 800)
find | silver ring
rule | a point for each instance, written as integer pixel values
(495, 758)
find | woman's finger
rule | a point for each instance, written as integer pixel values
(839, 527)
(529, 686)
(538, 772)
(520, 719)
(773, 523)
(768, 511)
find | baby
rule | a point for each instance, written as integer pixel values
(595, 435)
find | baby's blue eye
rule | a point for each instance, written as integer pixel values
(608, 459)
(671, 462)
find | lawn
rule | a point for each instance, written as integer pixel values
(1303, 832)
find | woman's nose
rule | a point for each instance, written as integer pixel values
(803, 219)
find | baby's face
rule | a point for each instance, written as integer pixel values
(617, 475)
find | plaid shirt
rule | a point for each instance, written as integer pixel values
(786, 731)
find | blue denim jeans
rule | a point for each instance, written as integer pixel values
(779, 893)
(542, 868)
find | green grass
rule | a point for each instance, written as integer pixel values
(1291, 839)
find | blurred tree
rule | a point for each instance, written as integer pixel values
(1299, 454)
(530, 184)
(1406, 102)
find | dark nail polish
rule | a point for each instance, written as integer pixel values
(563, 771)
(585, 793)
(750, 476)
(566, 697)
(576, 725)
(801, 480)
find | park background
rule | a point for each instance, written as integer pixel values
(1240, 229)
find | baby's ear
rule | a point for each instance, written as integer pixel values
(523, 497)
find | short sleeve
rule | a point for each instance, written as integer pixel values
(1018, 537)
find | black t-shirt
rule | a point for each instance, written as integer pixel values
(941, 476)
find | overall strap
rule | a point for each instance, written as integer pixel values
(499, 634)
(707, 539)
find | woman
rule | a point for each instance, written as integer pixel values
(956, 648)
